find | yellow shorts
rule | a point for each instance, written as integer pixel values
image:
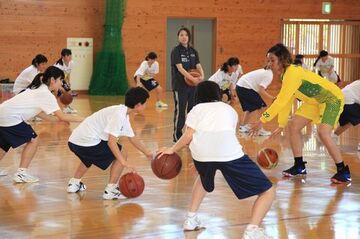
(326, 113)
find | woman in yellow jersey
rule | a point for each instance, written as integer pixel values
(323, 103)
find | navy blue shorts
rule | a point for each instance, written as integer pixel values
(14, 136)
(243, 176)
(100, 155)
(249, 99)
(350, 114)
(149, 84)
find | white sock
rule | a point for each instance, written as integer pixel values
(75, 180)
(191, 214)
(251, 226)
(22, 169)
(111, 185)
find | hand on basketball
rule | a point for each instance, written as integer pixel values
(255, 127)
(276, 132)
(163, 151)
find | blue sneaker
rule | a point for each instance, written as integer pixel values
(342, 176)
(295, 170)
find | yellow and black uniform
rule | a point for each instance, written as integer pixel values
(322, 100)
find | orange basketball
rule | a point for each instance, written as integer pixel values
(131, 185)
(267, 158)
(167, 166)
(66, 98)
(194, 73)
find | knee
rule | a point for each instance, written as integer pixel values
(293, 127)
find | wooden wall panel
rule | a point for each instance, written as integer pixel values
(245, 28)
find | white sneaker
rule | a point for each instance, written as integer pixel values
(263, 132)
(161, 104)
(255, 233)
(192, 223)
(24, 177)
(75, 187)
(112, 193)
(3, 172)
(244, 128)
(69, 110)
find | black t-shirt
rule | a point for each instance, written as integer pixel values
(189, 58)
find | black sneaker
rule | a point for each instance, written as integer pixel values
(342, 176)
(295, 170)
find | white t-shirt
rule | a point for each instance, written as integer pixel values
(324, 68)
(112, 120)
(25, 78)
(352, 93)
(145, 68)
(223, 79)
(214, 139)
(27, 105)
(254, 79)
(66, 68)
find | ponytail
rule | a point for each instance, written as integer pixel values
(322, 54)
(64, 52)
(232, 61)
(44, 78)
(38, 60)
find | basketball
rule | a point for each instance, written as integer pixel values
(194, 73)
(167, 166)
(267, 158)
(66, 98)
(131, 185)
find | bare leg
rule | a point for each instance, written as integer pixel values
(324, 131)
(80, 171)
(246, 117)
(28, 153)
(262, 205)
(198, 194)
(116, 169)
(296, 140)
(158, 91)
(341, 129)
(2, 153)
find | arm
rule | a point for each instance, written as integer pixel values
(66, 117)
(112, 143)
(185, 73)
(140, 146)
(183, 141)
(265, 95)
(200, 69)
(46, 117)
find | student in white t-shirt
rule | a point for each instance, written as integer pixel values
(351, 113)
(325, 67)
(145, 77)
(36, 100)
(95, 141)
(226, 78)
(38, 65)
(66, 64)
(252, 94)
(211, 136)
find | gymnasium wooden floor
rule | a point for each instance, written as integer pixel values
(304, 208)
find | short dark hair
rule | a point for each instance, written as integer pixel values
(284, 55)
(207, 91)
(136, 95)
(151, 55)
(38, 59)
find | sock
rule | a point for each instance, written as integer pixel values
(298, 161)
(75, 180)
(22, 169)
(252, 226)
(111, 185)
(191, 214)
(340, 166)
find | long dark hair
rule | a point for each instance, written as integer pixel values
(232, 61)
(321, 54)
(44, 78)
(207, 91)
(151, 55)
(38, 59)
(64, 52)
(188, 33)
(283, 54)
